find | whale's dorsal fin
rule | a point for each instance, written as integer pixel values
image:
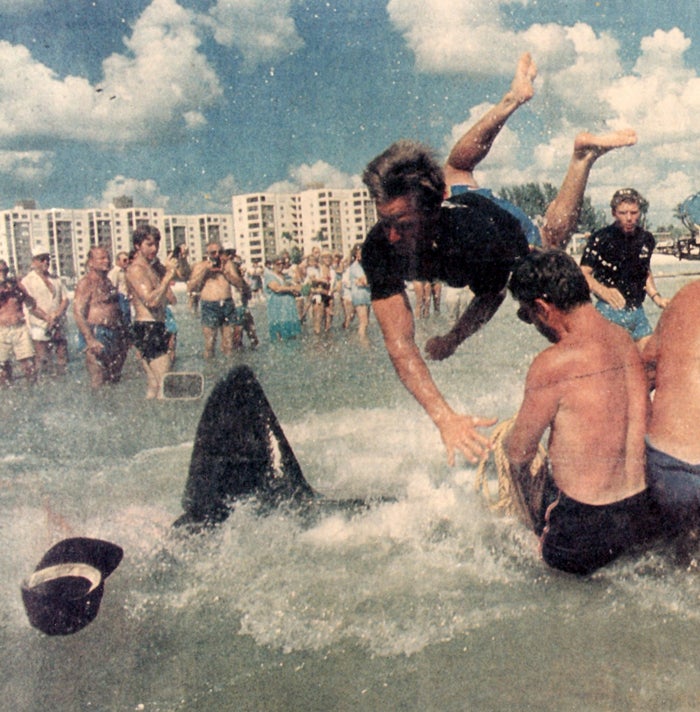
(240, 450)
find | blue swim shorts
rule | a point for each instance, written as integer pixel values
(675, 485)
(217, 314)
(633, 320)
(115, 341)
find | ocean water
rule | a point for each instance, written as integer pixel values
(429, 602)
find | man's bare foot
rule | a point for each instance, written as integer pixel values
(590, 146)
(522, 88)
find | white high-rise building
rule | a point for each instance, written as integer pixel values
(67, 235)
(260, 225)
(197, 231)
(263, 223)
(335, 219)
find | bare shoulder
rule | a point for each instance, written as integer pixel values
(85, 286)
(549, 368)
(137, 272)
(686, 302)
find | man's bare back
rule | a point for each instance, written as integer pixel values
(592, 384)
(590, 390)
(675, 349)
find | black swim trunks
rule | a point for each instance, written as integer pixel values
(580, 538)
(151, 339)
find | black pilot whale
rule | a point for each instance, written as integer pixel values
(240, 451)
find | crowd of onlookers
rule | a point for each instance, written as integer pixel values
(125, 300)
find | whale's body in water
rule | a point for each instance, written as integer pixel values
(241, 451)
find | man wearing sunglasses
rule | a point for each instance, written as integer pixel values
(589, 389)
(48, 336)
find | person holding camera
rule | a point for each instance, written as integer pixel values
(213, 278)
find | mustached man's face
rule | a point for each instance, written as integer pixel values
(149, 248)
(401, 220)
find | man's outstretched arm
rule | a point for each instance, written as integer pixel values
(479, 311)
(458, 432)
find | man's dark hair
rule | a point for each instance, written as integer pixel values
(551, 275)
(144, 231)
(406, 168)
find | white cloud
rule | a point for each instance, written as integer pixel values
(452, 36)
(461, 37)
(161, 83)
(318, 175)
(27, 166)
(194, 119)
(219, 199)
(581, 85)
(145, 193)
(262, 30)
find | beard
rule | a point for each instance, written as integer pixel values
(546, 331)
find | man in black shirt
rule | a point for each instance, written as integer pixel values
(468, 241)
(616, 264)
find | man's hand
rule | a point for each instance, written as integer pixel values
(459, 432)
(171, 265)
(613, 297)
(438, 348)
(95, 347)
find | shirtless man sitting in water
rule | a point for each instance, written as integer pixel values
(100, 321)
(672, 357)
(589, 389)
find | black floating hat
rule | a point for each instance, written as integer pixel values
(63, 594)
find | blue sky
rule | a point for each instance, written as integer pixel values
(182, 103)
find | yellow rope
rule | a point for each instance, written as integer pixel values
(506, 498)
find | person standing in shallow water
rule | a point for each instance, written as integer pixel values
(49, 337)
(100, 321)
(616, 263)
(281, 293)
(212, 279)
(14, 333)
(359, 291)
(150, 294)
